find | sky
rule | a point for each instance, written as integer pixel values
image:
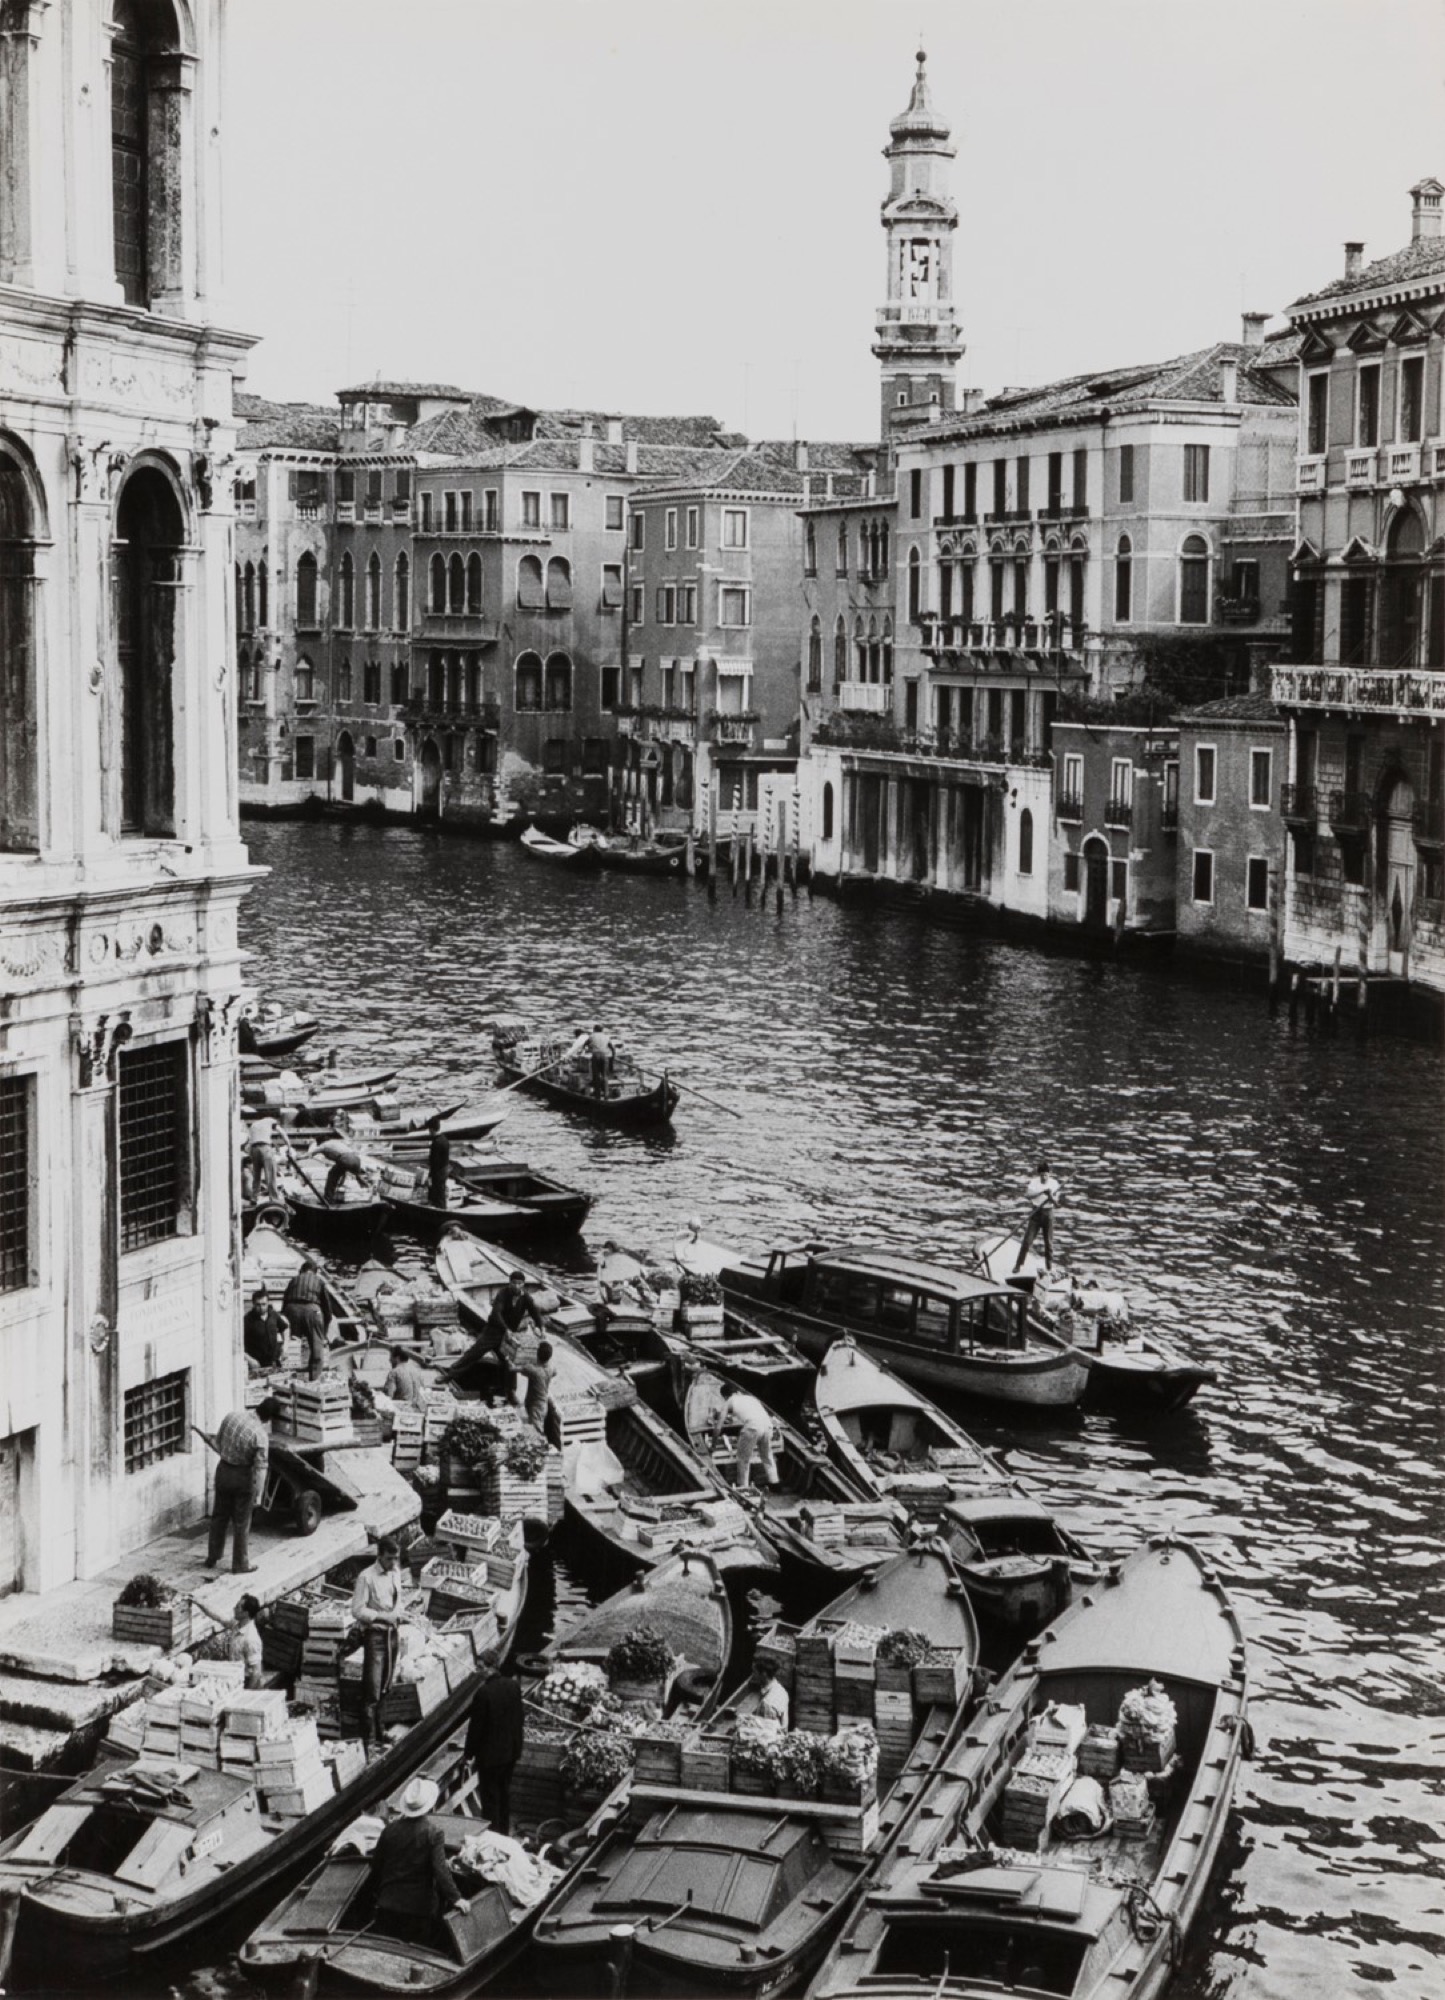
(650, 206)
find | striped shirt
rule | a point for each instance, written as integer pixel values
(242, 1439)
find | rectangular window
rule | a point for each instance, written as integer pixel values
(915, 493)
(1256, 893)
(1119, 881)
(948, 477)
(491, 511)
(639, 609)
(398, 749)
(1073, 777)
(1244, 580)
(1126, 474)
(1261, 779)
(692, 527)
(1203, 875)
(449, 512)
(1410, 428)
(614, 509)
(554, 756)
(401, 486)
(1056, 482)
(157, 1420)
(1071, 873)
(370, 686)
(16, 1178)
(373, 487)
(970, 491)
(666, 604)
(1204, 774)
(1081, 479)
(594, 756)
(1196, 472)
(612, 586)
(561, 511)
(611, 686)
(735, 527)
(345, 487)
(1317, 415)
(1121, 781)
(398, 683)
(154, 1137)
(1021, 479)
(1367, 408)
(734, 605)
(1000, 486)
(306, 756)
(531, 510)
(687, 604)
(669, 529)
(468, 502)
(426, 513)
(639, 527)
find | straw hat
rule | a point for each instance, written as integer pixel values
(419, 1798)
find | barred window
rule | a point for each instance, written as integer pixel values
(153, 1128)
(156, 1420)
(15, 1143)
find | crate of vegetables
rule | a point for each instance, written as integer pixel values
(149, 1613)
(941, 1676)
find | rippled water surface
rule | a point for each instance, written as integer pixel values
(1274, 1201)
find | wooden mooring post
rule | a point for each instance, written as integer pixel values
(748, 866)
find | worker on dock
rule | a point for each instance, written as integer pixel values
(243, 1445)
(304, 1304)
(1043, 1193)
(755, 1436)
(376, 1607)
(409, 1874)
(245, 1641)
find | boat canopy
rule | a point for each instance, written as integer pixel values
(1168, 1617)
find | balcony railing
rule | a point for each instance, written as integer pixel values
(1399, 690)
(864, 697)
(732, 729)
(1310, 475)
(373, 512)
(1351, 812)
(1402, 461)
(1069, 806)
(475, 625)
(1360, 467)
(1299, 802)
(1064, 510)
(1119, 812)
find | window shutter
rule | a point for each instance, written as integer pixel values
(529, 584)
(559, 584)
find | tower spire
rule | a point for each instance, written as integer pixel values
(918, 340)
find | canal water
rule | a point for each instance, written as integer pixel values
(1273, 1200)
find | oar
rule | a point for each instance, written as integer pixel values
(715, 1102)
(529, 1074)
(292, 1155)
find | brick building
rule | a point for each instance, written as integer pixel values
(1231, 762)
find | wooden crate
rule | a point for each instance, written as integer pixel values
(941, 1681)
(164, 1625)
(705, 1767)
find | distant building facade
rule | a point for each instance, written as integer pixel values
(1110, 856)
(121, 866)
(1364, 695)
(1231, 840)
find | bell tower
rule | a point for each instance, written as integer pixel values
(918, 340)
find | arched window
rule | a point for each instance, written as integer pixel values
(529, 583)
(559, 584)
(827, 812)
(305, 680)
(343, 681)
(810, 549)
(149, 533)
(438, 583)
(815, 653)
(842, 563)
(373, 593)
(1026, 842)
(860, 651)
(401, 599)
(915, 586)
(456, 584)
(529, 682)
(558, 692)
(875, 654)
(1194, 581)
(436, 681)
(1124, 581)
(887, 650)
(263, 595)
(840, 650)
(306, 593)
(474, 584)
(346, 594)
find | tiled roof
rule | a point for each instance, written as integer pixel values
(1421, 259)
(410, 390)
(640, 430)
(1254, 707)
(285, 426)
(1193, 377)
(1278, 352)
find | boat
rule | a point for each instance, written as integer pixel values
(271, 1259)
(354, 1213)
(543, 1066)
(544, 848)
(473, 1272)
(760, 1358)
(491, 1198)
(332, 1090)
(959, 1908)
(1017, 1561)
(281, 1034)
(381, 1111)
(642, 857)
(1129, 1368)
(715, 1891)
(819, 1519)
(944, 1328)
(145, 1854)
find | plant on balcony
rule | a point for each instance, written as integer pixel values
(859, 732)
(719, 715)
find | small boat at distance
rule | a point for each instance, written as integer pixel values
(277, 1034)
(542, 847)
(955, 1909)
(543, 1066)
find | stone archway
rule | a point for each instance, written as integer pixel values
(1096, 883)
(346, 765)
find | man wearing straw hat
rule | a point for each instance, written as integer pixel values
(409, 1871)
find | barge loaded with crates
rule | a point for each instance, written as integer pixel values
(736, 1862)
(205, 1793)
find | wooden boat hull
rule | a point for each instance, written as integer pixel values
(1154, 1381)
(562, 853)
(75, 1920)
(336, 1222)
(1161, 1616)
(641, 861)
(653, 1106)
(772, 1370)
(286, 1040)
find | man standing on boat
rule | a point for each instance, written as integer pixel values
(304, 1304)
(494, 1741)
(409, 1872)
(376, 1607)
(602, 1055)
(1043, 1192)
(755, 1436)
(438, 1163)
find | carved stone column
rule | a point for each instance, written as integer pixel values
(94, 1386)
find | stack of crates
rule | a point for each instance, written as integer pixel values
(321, 1411)
(408, 1431)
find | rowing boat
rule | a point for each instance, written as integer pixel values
(962, 1907)
(544, 1067)
(542, 847)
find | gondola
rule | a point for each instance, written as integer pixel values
(1017, 1561)
(281, 1034)
(541, 1068)
(955, 1909)
(330, 1090)
(1129, 1369)
(736, 1893)
(542, 847)
(641, 858)
(498, 1199)
(140, 1856)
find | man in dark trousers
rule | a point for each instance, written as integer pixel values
(263, 1331)
(494, 1741)
(243, 1445)
(601, 1055)
(409, 1871)
(304, 1304)
(438, 1164)
(490, 1362)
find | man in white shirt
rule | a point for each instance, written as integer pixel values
(1043, 1192)
(755, 1436)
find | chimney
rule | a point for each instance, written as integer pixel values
(586, 450)
(631, 460)
(614, 430)
(1252, 329)
(1354, 259)
(1425, 216)
(800, 455)
(868, 484)
(1228, 379)
(969, 400)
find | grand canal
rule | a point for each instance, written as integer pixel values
(1275, 1200)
